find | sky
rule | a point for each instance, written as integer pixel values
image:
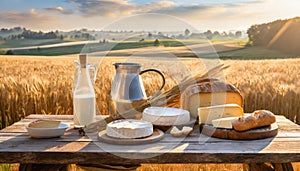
(167, 15)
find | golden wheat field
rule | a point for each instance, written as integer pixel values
(44, 85)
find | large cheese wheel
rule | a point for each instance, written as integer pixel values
(166, 116)
(209, 94)
(129, 128)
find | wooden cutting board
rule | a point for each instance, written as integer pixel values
(252, 134)
(156, 136)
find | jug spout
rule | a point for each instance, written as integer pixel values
(128, 67)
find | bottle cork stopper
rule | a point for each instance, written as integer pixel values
(83, 60)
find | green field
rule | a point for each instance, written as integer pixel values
(30, 42)
(254, 53)
(95, 47)
(238, 51)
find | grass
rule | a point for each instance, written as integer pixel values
(30, 42)
(95, 47)
(44, 85)
(253, 53)
(2, 52)
(5, 167)
(229, 50)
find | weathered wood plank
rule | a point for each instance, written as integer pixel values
(72, 135)
(16, 146)
(135, 158)
(32, 145)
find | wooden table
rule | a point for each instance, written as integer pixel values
(17, 147)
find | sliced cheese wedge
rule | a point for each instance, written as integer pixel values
(207, 114)
(224, 122)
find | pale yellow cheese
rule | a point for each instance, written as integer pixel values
(207, 114)
(211, 99)
(223, 122)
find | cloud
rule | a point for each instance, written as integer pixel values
(28, 19)
(116, 8)
(60, 10)
(106, 8)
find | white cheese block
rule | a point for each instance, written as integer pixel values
(207, 114)
(129, 128)
(223, 122)
(166, 116)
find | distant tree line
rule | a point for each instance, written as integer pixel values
(282, 35)
(23, 33)
(210, 35)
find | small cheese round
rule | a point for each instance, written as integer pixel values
(166, 116)
(129, 128)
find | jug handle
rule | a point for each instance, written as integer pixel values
(92, 67)
(160, 73)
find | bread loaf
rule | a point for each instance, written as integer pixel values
(210, 93)
(257, 119)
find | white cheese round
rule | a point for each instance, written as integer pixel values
(166, 116)
(129, 128)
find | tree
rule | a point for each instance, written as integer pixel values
(156, 42)
(230, 34)
(208, 34)
(9, 52)
(187, 32)
(238, 34)
(216, 34)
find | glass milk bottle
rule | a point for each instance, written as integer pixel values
(84, 103)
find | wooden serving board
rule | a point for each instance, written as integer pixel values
(156, 136)
(252, 134)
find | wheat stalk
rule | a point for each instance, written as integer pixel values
(158, 99)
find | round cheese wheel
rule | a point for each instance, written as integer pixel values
(166, 116)
(129, 128)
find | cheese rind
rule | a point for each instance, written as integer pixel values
(224, 122)
(209, 94)
(207, 114)
(212, 99)
(129, 128)
(166, 116)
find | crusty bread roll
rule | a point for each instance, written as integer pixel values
(258, 118)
